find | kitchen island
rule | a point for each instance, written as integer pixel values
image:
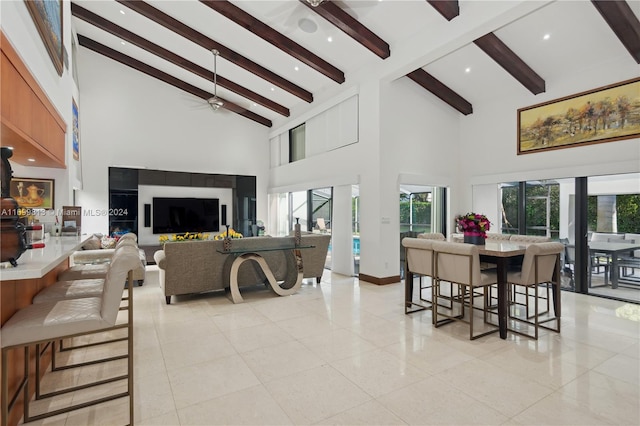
(36, 269)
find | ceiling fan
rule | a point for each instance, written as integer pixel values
(215, 102)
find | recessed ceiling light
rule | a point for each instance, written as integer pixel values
(329, 39)
(307, 25)
(255, 104)
(296, 68)
(467, 70)
(546, 37)
(122, 43)
(273, 89)
(122, 11)
(31, 159)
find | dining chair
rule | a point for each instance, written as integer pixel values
(628, 260)
(418, 261)
(529, 239)
(498, 237)
(569, 262)
(459, 264)
(540, 264)
(436, 236)
(602, 260)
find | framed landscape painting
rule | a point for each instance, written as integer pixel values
(33, 193)
(605, 114)
(47, 15)
(76, 130)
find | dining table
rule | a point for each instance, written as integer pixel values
(499, 253)
(612, 249)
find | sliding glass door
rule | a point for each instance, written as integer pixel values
(609, 206)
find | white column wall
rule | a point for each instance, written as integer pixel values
(131, 120)
(486, 200)
(341, 232)
(419, 145)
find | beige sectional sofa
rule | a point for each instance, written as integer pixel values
(199, 266)
(93, 263)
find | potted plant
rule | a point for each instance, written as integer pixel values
(474, 226)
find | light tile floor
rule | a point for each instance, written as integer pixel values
(343, 352)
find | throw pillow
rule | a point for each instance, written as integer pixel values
(108, 243)
(92, 243)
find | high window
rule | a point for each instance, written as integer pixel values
(296, 143)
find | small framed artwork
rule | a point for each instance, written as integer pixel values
(32, 193)
(47, 16)
(600, 115)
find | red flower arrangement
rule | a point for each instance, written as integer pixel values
(473, 224)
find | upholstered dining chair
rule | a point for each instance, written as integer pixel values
(529, 239)
(418, 261)
(498, 237)
(438, 236)
(435, 236)
(459, 264)
(540, 264)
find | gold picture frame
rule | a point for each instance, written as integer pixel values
(47, 16)
(33, 193)
(600, 115)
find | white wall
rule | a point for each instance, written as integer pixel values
(131, 120)
(491, 133)
(405, 134)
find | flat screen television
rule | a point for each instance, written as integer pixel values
(180, 215)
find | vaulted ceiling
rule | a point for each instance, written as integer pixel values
(276, 57)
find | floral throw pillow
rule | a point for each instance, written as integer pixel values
(108, 243)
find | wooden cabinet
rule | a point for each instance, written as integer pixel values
(30, 122)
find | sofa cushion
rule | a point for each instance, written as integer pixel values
(92, 243)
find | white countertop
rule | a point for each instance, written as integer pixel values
(36, 263)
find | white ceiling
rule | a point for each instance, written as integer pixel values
(417, 34)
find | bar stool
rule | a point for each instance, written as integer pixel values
(82, 272)
(78, 288)
(48, 321)
(460, 264)
(418, 261)
(540, 263)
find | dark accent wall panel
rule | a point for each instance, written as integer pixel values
(223, 215)
(147, 215)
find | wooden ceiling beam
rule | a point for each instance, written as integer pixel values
(282, 42)
(507, 59)
(623, 22)
(189, 33)
(447, 8)
(350, 26)
(436, 87)
(110, 27)
(167, 78)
